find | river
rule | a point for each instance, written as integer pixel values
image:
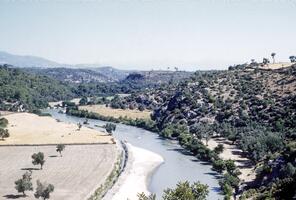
(177, 166)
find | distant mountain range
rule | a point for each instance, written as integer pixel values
(28, 61)
(69, 73)
(87, 73)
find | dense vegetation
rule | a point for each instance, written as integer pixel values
(252, 107)
(183, 191)
(21, 91)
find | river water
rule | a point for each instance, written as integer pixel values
(177, 166)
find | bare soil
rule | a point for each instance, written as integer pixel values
(75, 175)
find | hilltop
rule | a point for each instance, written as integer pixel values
(250, 107)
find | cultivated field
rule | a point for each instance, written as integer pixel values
(110, 112)
(75, 175)
(25, 128)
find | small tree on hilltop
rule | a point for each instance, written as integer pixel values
(110, 128)
(60, 148)
(43, 190)
(38, 159)
(265, 61)
(273, 55)
(4, 133)
(292, 59)
(24, 184)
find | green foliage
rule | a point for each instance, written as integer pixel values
(3, 122)
(142, 196)
(60, 148)
(20, 90)
(83, 101)
(229, 180)
(4, 133)
(147, 124)
(38, 159)
(288, 170)
(219, 149)
(43, 190)
(174, 131)
(187, 191)
(24, 184)
(110, 127)
(219, 165)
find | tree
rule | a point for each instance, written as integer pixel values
(273, 55)
(110, 128)
(142, 196)
(79, 126)
(4, 133)
(43, 190)
(60, 148)
(265, 61)
(185, 191)
(292, 59)
(219, 165)
(219, 148)
(38, 159)
(3, 122)
(24, 184)
(83, 101)
(230, 166)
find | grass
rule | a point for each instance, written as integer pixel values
(116, 113)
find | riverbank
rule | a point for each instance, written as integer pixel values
(231, 151)
(117, 113)
(31, 129)
(135, 177)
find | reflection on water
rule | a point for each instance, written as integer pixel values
(178, 165)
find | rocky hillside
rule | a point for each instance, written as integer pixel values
(72, 75)
(235, 97)
(254, 108)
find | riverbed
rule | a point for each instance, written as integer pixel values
(178, 164)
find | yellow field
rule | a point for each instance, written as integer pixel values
(277, 65)
(110, 112)
(25, 128)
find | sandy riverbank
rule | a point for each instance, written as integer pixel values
(135, 177)
(232, 152)
(27, 128)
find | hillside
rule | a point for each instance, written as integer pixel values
(251, 108)
(26, 61)
(71, 75)
(23, 91)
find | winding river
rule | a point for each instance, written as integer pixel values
(178, 165)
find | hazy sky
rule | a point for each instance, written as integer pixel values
(190, 34)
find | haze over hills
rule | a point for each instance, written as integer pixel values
(82, 73)
(27, 61)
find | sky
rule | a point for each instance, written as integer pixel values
(150, 34)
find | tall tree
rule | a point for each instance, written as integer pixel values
(186, 191)
(43, 190)
(24, 184)
(38, 159)
(4, 133)
(110, 128)
(60, 148)
(273, 55)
